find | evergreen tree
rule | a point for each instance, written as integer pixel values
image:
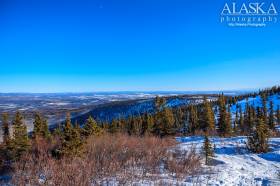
(249, 118)
(71, 142)
(150, 124)
(137, 126)
(159, 103)
(91, 127)
(6, 147)
(224, 117)
(252, 119)
(264, 108)
(164, 122)
(193, 119)
(271, 122)
(241, 121)
(40, 127)
(5, 128)
(278, 115)
(114, 127)
(58, 132)
(208, 116)
(179, 118)
(207, 149)
(236, 121)
(122, 125)
(37, 125)
(258, 141)
(168, 122)
(228, 121)
(20, 143)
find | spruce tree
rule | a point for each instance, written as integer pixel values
(193, 119)
(91, 127)
(168, 122)
(241, 121)
(207, 149)
(264, 108)
(150, 124)
(236, 121)
(249, 118)
(271, 122)
(258, 141)
(6, 148)
(179, 118)
(20, 142)
(278, 115)
(228, 122)
(144, 119)
(223, 118)
(159, 103)
(37, 125)
(5, 128)
(114, 128)
(58, 131)
(71, 142)
(208, 116)
(41, 128)
(164, 122)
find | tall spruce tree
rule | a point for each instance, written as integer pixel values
(271, 122)
(169, 121)
(228, 121)
(20, 142)
(278, 115)
(71, 142)
(193, 119)
(223, 119)
(207, 149)
(41, 128)
(236, 121)
(258, 141)
(241, 121)
(164, 122)
(208, 116)
(179, 118)
(150, 123)
(5, 128)
(264, 108)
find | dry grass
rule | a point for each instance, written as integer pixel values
(120, 158)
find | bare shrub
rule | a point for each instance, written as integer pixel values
(121, 158)
(183, 163)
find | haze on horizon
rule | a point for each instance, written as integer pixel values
(141, 45)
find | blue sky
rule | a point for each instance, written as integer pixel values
(105, 45)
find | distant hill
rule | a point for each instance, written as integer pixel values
(114, 110)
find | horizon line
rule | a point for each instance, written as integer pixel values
(132, 91)
(141, 91)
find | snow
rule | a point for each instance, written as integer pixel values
(233, 164)
(257, 102)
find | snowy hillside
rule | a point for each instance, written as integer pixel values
(234, 165)
(257, 102)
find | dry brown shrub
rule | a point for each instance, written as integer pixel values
(108, 157)
(183, 163)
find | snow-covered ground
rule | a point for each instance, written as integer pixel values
(257, 102)
(233, 164)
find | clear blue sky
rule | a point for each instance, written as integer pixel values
(103, 45)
